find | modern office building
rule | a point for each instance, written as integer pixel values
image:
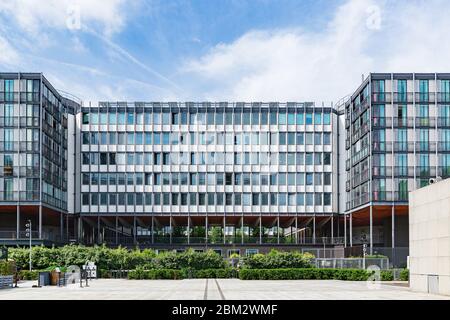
(230, 174)
(397, 138)
(33, 159)
(236, 175)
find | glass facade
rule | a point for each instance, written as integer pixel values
(33, 142)
(206, 158)
(396, 136)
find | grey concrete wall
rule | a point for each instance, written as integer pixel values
(429, 229)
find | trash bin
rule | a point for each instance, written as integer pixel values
(44, 279)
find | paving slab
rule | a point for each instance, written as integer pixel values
(217, 289)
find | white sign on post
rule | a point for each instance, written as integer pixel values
(91, 269)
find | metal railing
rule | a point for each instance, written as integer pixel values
(351, 263)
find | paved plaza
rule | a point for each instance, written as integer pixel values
(216, 289)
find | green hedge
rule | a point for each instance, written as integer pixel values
(28, 275)
(155, 274)
(7, 268)
(115, 259)
(303, 274)
(139, 274)
(279, 260)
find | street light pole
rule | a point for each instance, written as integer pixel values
(29, 231)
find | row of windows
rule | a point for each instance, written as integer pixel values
(206, 158)
(209, 118)
(207, 138)
(202, 199)
(202, 178)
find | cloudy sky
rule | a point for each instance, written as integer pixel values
(216, 50)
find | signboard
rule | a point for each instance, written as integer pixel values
(91, 269)
(4, 253)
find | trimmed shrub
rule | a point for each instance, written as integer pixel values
(189, 260)
(28, 275)
(279, 260)
(304, 274)
(387, 275)
(404, 275)
(7, 268)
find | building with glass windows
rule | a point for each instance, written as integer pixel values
(230, 176)
(220, 174)
(397, 137)
(33, 159)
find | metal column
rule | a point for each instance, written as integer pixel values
(224, 226)
(345, 230)
(18, 222)
(40, 221)
(314, 229)
(134, 229)
(393, 227)
(332, 230)
(242, 230)
(278, 229)
(260, 229)
(170, 230)
(189, 230)
(153, 230)
(117, 230)
(371, 230)
(296, 229)
(351, 229)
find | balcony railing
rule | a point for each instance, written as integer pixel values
(426, 146)
(425, 121)
(406, 122)
(403, 146)
(425, 97)
(19, 196)
(403, 97)
(381, 171)
(404, 171)
(443, 121)
(382, 146)
(443, 97)
(381, 97)
(444, 146)
(381, 122)
(426, 172)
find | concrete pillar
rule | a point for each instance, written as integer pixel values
(296, 230)
(67, 227)
(18, 222)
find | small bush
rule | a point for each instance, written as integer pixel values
(279, 260)
(7, 268)
(28, 275)
(404, 275)
(387, 275)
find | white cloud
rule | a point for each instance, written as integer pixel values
(296, 64)
(32, 15)
(9, 55)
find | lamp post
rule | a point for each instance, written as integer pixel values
(29, 235)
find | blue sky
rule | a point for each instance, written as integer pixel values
(255, 50)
